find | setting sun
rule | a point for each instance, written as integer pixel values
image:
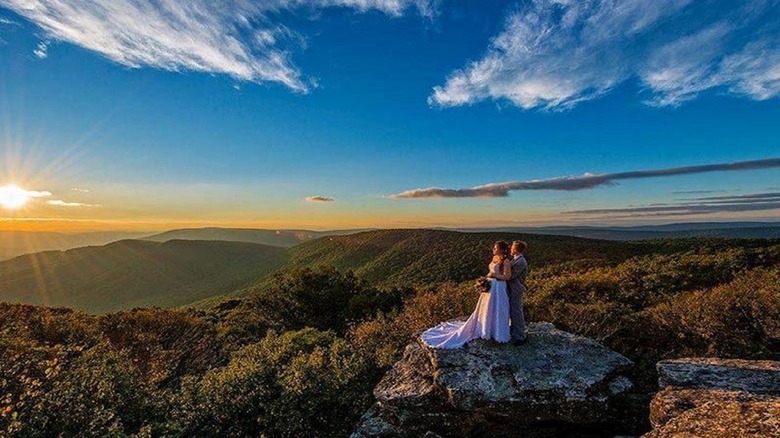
(13, 197)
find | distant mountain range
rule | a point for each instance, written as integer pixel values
(742, 230)
(15, 243)
(135, 273)
(290, 238)
(142, 273)
(282, 238)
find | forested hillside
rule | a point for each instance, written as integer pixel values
(415, 256)
(134, 273)
(128, 274)
(300, 357)
(421, 256)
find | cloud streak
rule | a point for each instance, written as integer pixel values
(318, 199)
(239, 38)
(555, 54)
(61, 203)
(696, 206)
(583, 182)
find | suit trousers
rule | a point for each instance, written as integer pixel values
(516, 314)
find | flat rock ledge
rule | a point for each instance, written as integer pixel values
(556, 384)
(710, 397)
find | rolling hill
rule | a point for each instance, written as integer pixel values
(139, 273)
(16, 243)
(281, 238)
(133, 273)
(420, 256)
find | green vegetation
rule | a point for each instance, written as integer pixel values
(133, 273)
(301, 356)
(425, 256)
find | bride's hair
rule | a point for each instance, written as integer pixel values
(504, 247)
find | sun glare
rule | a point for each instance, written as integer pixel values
(13, 197)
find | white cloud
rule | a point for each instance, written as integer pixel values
(61, 203)
(555, 54)
(238, 38)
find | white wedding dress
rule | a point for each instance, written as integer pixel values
(490, 320)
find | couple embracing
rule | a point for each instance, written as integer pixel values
(499, 312)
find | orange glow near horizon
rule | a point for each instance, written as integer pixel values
(335, 222)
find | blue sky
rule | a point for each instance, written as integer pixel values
(153, 114)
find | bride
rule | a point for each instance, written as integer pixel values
(490, 319)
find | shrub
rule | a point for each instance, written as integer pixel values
(301, 382)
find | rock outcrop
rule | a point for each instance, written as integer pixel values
(554, 384)
(716, 398)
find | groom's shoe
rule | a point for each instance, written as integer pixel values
(519, 342)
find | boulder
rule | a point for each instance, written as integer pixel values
(755, 376)
(671, 402)
(556, 383)
(709, 397)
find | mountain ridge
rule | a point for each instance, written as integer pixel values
(135, 273)
(276, 237)
(15, 243)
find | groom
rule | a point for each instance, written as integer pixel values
(516, 286)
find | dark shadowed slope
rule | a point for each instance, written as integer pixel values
(134, 273)
(282, 238)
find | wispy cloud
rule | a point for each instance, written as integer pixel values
(587, 181)
(318, 199)
(61, 203)
(696, 206)
(755, 197)
(5, 22)
(696, 192)
(42, 50)
(554, 54)
(238, 38)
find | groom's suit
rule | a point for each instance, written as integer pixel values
(516, 286)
